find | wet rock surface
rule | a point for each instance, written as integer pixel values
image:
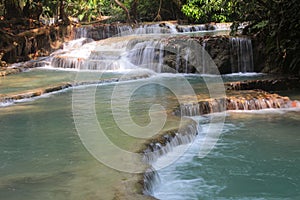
(274, 84)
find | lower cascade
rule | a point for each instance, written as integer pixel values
(244, 100)
(162, 145)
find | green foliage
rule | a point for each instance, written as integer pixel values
(1, 7)
(261, 25)
(278, 24)
(147, 10)
(87, 10)
(208, 10)
(84, 10)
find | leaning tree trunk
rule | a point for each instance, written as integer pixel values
(125, 10)
(12, 9)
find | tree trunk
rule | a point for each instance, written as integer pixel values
(12, 9)
(33, 9)
(62, 15)
(158, 17)
(125, 10)
(133, 10)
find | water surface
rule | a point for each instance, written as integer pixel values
(256, 157)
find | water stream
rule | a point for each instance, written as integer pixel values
(256, 157)
(43, 157)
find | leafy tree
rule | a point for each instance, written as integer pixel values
(277, 24)
(208, 10)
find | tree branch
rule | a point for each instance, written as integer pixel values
(125, 9)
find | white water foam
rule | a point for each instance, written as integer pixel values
(269, 110)
(172, 187)
(239, 74)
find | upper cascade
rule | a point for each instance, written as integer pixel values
(149, 47)
(98, 32)
(159, 53)
(97, 55)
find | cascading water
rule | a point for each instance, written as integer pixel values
(165, 145)
(204, 57)
(194, 28)
(97, 55)
(248, 162)
(147, 54)
(186, 57)
(255, 101)
(150, 49)
(241, 55)
(99, 32)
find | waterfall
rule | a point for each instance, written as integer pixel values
(151, 179)
(177, 60)
(241, 55)
(149, 29)
(76, 43)
(115, 53)
(191, 28)
(168, 142)
(186, 58)
(124, 30)
(255, 102)
(103, 31)
(81, 32)
(90, 56)
(147, 54)
(160, 53)
(163, 145)
(204, 57)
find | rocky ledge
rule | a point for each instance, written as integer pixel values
(274, 84)
(243, 100)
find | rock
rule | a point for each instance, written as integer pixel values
(276, 84)
(219, 50)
